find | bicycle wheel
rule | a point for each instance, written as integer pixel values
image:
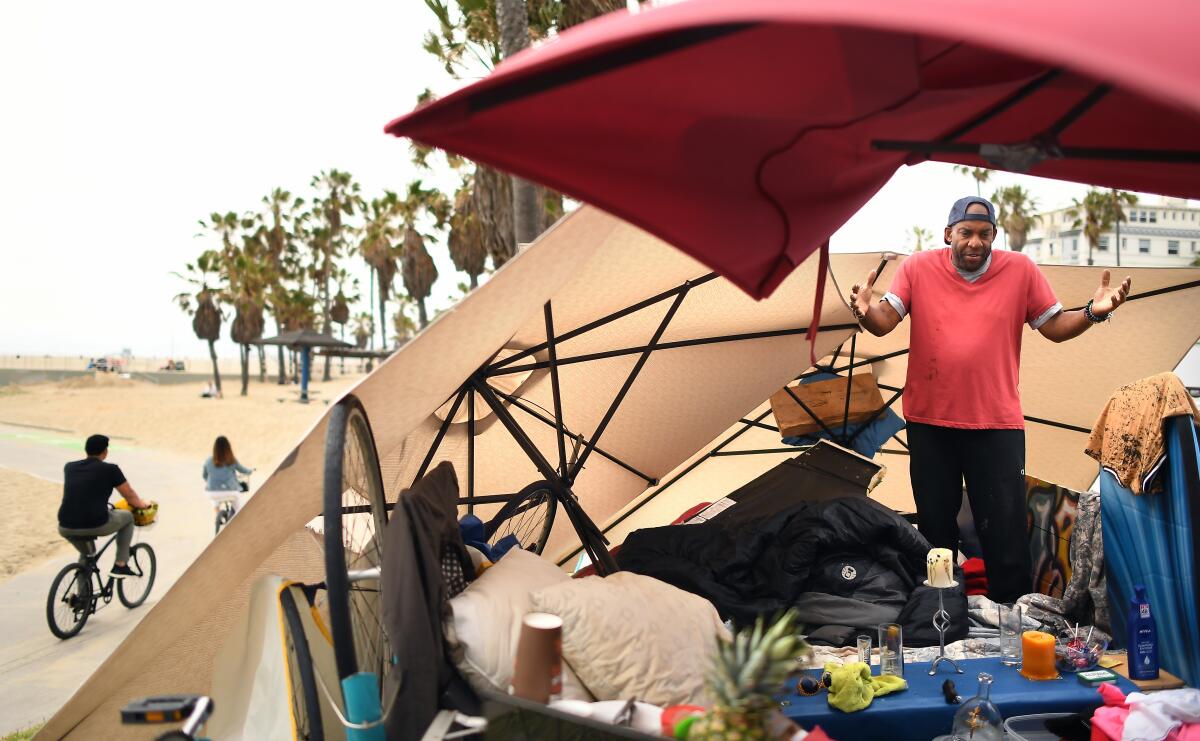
(222, 518)
(355, 519)
(133, 590)
(528, 515)
(306, 706)
(69, 604)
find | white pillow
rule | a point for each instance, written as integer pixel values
(630, 636)
(487, 617)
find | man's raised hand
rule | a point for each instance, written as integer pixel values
(1107, 299)
(861, 295)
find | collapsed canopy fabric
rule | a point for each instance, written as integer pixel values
(746, 133)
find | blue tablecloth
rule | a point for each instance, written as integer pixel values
(921, 713)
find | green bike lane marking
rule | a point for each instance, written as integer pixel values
(58, 441)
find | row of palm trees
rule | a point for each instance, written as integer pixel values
(288, 260)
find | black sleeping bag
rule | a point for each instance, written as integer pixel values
(846, 564)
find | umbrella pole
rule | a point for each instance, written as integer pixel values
(305, 365)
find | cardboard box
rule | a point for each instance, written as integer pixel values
(825, 400)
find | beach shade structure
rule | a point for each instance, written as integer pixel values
(1153, 539)
(305, 340)
(609, 368)
(746, 133)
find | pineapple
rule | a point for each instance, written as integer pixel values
(747, 672)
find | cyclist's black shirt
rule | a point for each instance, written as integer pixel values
(87, 485)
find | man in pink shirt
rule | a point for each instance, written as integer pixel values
(967, 305)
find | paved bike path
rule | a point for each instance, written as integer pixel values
(38, 672)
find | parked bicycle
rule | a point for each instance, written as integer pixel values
(80, 588)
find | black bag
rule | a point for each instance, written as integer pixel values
(244, 486)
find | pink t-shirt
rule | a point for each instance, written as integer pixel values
(965, 349)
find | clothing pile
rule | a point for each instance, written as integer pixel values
(1172, 715)
(846, 564)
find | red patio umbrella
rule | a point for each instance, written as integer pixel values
(745, 133)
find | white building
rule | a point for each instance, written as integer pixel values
(1161, 234)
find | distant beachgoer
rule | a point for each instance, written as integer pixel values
(210, 391)
(84, 512)
(220, 473)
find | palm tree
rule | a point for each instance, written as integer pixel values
(418, 271)
(380, 235)
(279, 225)
(364, 327)
(338, 197)
(1097, 213)
(1015, 211)
(245, 273)
(1119, 199)
(202, 305)
(980, 175)
(920, 236)
(465, 240)
(512, 17)
(403, 325)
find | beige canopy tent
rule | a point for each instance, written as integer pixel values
(655, 359)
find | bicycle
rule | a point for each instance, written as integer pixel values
(192, 710)
(79, 588)
(227, 506)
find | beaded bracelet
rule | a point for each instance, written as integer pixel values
(1091, 317)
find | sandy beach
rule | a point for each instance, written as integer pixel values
(29, 498)
(262, 427)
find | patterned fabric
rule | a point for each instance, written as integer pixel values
(1128, 440)
(452, 570)
(1085, 598)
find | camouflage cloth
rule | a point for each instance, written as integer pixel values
(1085, 598)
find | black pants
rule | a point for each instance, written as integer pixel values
(993, 464)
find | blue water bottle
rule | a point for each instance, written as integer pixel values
(1143, 637)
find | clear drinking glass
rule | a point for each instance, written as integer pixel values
(1009, 621)
(864, 649)
(891, 649)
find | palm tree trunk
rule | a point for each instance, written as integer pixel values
(513, 19)
(244, 351)
(474, 281)
(421, 313)
(382, 322)
(325, 376)
(212, 353)
(342, 359)
(262, 364)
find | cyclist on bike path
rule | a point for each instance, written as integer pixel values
(220, 472)
(84, 512)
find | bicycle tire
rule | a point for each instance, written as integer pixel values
(143, 560)
(353, 540)
(306, 705)
(80, 611)
(222, 518)
(522, 516)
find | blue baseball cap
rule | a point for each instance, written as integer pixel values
(958, 212)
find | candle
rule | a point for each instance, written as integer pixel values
(1037, 655)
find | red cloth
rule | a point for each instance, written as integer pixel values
(964, 357)
(746, 133)
(974, 567)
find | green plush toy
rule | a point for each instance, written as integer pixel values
(853, 688)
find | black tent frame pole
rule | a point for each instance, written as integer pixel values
(558, 415)
(589, 534)
(494, 367)
(849, 386)
(666, 485)
(493, 371)
(874, 416)
(470, 452)
(633, 374)
(437, 441)
(856, 364)
(524, 407)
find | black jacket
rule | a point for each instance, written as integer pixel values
(846, 563)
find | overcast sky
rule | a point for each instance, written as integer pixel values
(121, 124)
